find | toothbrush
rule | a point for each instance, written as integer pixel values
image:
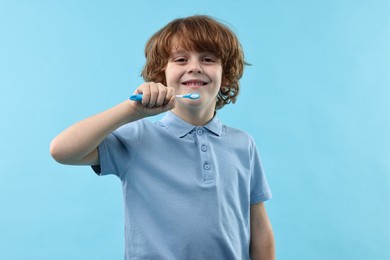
(138, 97)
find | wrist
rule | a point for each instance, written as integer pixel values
(130, 113)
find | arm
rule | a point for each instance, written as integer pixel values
(78, 143)
(262, 245)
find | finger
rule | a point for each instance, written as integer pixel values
(170, 93)
(171, 103)
(154, 90)
(144, 89)
(162, 92)
(170, 99)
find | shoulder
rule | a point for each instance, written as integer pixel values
(142, 124)
(134, 130)
(240, 140)
(237, 134)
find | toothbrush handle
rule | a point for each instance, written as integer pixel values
(137, 97)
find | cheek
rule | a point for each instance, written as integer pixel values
(219, 71)
(167, 76)
(170, 74)
(221, 77)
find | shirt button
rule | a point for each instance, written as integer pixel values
(203, 148)
(206, 166)
(199, 131)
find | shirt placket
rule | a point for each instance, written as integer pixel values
(205, 155)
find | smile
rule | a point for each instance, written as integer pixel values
(194, 83)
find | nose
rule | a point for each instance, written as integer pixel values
(195, 67)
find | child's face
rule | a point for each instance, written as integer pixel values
(193, 72)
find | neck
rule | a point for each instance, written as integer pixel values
(195, 117)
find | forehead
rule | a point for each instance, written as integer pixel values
(178, 50)
(183, 44)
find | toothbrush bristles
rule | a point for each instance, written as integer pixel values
(190, 96)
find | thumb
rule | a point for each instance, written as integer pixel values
(171, 104)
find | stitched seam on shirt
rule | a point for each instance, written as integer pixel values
(259, 197)
(134, 150)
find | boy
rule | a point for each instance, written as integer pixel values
(193, 187)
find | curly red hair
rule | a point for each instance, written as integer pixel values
(206, 35)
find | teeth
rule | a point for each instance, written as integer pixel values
(194, 83)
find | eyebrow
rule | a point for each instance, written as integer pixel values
(183, 51)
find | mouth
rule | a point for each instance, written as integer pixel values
(194, 83)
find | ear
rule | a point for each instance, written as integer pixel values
(224, 89)
(224, 85)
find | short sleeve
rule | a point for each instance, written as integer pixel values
(117, 150)
(260, 190)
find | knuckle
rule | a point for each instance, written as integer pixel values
(154, 91)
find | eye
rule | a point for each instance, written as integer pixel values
(209, 59)
(180, 60)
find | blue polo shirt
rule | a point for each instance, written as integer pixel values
(187, 189)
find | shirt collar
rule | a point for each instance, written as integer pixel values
(181, 128)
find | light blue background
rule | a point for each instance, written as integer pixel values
(316, 99)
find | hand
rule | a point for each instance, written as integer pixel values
(156, 99)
